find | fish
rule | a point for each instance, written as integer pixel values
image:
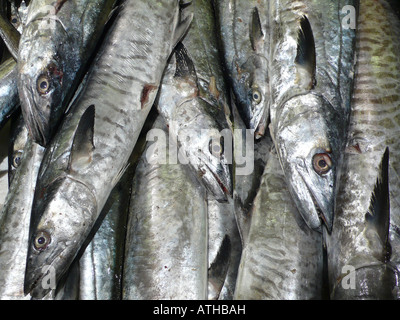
(57, 42)
(311, 75)
(363, 249)
(282, 258)
(117, 98)
(14, 224)
(194, 103)
(17, 141)
(9, 100)
(243, 31)
(164, 257)
(224, 249)
(10, 35)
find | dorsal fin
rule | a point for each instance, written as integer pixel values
(82, 145)
(306, 56)
(256, 34)
(184, 65)
(378, 215)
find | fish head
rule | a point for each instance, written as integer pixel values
(61, 221)
(40, 85)
(252, 95)
(208, 151)
(309, 152)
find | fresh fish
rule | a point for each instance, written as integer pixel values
(57, 41)
(102, 261)
(365, 240)
(164, 257)
(224, 249)
(311, 74)
(193, 101)
(282, 258)
(9, 100)
(17, 141)
(10, 36)
(244, 38)
(14, 224)
(91, 150)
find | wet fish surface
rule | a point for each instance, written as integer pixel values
(72, 180)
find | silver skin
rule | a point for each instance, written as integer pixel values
(72, 180)
(224, 249)
(14, 224)
(9, 100)
(101, 262)
(282, 258)
(194, 103)
(246, 60)
(374, 125)
(57, 41)
(310, 106)
(166, 243)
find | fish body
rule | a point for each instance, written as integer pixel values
(73, 186)
(311, 67)
(9, 100)
(166, 244)
(57, 41)
(14, 224)
(365, 237)
(243, 28)
(193, 100)
(282, 258)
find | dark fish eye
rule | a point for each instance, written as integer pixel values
(322, 163)
(216, 147)
(16, 161)
(256, 96)
(14, 20)
(42, 240)
(43, 84)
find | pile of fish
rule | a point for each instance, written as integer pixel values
(200, 149)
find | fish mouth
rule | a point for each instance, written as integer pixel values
(315, 210)
(35, 120)
(218, 182)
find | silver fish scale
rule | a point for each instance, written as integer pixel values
(14, 224)
(374, 125)
(282, 257)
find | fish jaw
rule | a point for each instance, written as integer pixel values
(303, 134)
(63, 213)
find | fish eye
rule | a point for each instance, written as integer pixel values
(42, 240)
(256, 96)
(43, 84)
(14, 20)
(16, 160)
(216, 146)
(322, 163)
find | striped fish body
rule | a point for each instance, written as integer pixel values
(90, 152)
(374, 125)
(311, 68)
(282, 258)
(166, 244)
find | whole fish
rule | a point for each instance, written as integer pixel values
(9, 100)
(166, 244)
(311, 73)
(282, 258)
(14, 224)
(57, 41)
(91, 150)
(243, 32)
(365, 240)
(194, 104)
